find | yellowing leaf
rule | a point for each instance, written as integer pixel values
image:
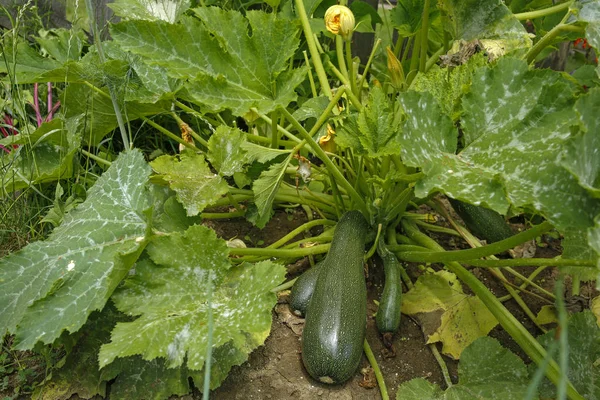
(446, 314)
(596, 309)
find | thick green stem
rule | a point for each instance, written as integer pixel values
(313, 88)
(312, 47)
(169, 134)
(368, 65)
(94, 157)
(280, 253)
(339, 51)
(424, 38)
(331, 167)
(274, 131)
(281, 129)
(512, 326)
(350, 62)
(435, 228)
(378, 374)
(548, 38)
(183, 125)
(113, 96)
(530, 262)
(484, 251)
(543, 12)
(299, 230)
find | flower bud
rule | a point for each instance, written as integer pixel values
(395, 69)
(339, 20)
(327, 142)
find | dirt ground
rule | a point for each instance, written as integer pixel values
(275, 370)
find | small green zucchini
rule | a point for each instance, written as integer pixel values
(303, 289)
(334, 331)
(482, 222)
(390, 303)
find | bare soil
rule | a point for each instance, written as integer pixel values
(275, 370)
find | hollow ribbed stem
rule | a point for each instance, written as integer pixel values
(512, 326)
(543, 12)
(484, 251)
(299, 230)
(280, 253)
(331, 167)
(368, 65)
(169, 134)
(424, 38)
(378, 374)
(312, 47)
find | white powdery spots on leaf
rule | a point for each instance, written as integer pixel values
(176, 349)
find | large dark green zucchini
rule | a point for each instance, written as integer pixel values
(390, 302)
(482, 222)
(334, 331)
(303, 289)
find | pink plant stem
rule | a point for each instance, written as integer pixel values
(36, 104)
(49, 117)
(51, 112)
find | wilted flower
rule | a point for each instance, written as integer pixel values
(339, 20)
(327, 142)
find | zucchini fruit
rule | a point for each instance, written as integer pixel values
(482, 222)
(390, 302)
(303, 289)
(335, 326)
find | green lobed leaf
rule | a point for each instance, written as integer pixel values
(406, 17)
(261, 154)
(265, 188)
(593, 239)
(577, 247)
(23, 62)
(446, 314)
(170, 299)
(80, 373)
(190, 177)
(152, 10)
(379, 125)
(225, 151)
(53, 285)
(137, 379)
(62, 44)
(45, 155)
(98, 110)
(582, 153)
(448, 85)
(484, 19)
(584, 352)
(486, 371)
(226, 67)
(515, 125)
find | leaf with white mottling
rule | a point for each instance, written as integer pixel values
(190, 177)
(583, 338)
(137, 379)
(152, 10)
(80, 372)
(582, 153)
(593, 240)
(515, 125)
(225, 66)
(225, 151)
(484, 19)
(265, 188)
(171, 301)
(446, 314)
(486, 371)
(76, 269)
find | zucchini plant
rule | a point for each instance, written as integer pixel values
(265, 110)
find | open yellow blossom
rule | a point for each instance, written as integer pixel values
(339, 20)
